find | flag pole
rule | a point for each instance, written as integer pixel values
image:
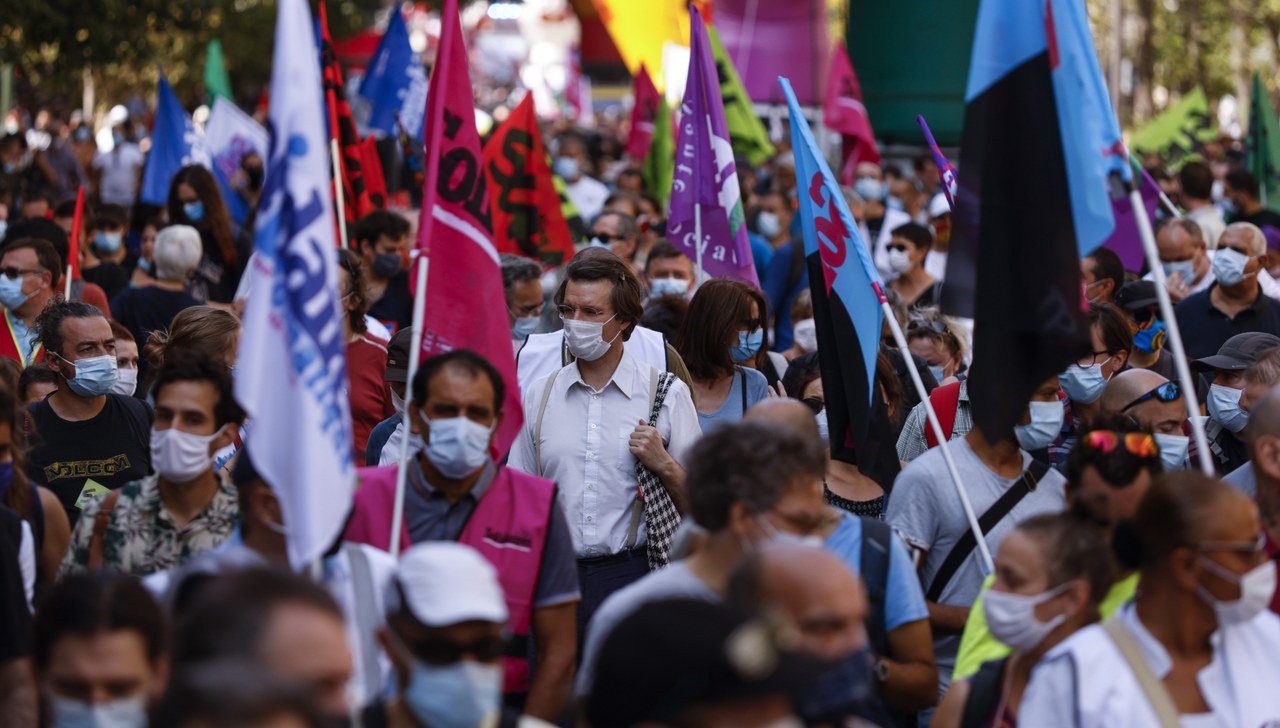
(987, 563)
(1175, 334)
(697, 243)
(415, 354)
(339, 193)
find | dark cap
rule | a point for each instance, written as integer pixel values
(1238, 352)
(669, 656)
(398, 356)
(1136, 295)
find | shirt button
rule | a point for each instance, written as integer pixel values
(588, 519)
(595, 396)
(593, 425)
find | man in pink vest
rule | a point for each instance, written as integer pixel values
(455, 492)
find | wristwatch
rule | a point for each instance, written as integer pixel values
(880, 669)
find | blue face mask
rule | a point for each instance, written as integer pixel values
(525, 326)
(6, 478)
(194, 211)
(108, 242)
(95, 376)
(749, 344)
(1044, 428)
(460, 695)
(939, 373)
(1229, 265)
(1083, 384)
(837, 693)
(1186, 270)
(869, 188)
(1150, 339)
(659, 287)
(1173, 450)
(11, 295)
(1224, 407)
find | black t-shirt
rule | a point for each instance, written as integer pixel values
(143, 310)
(1262, 218)
(15, 620)
(111, 277)
(396, 305)
(112, 448)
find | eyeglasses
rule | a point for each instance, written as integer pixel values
(1250, 548)
(1088, 361)
(607, 238)
(12, 272)
(1138, 444)
(1167, 392)
(569, 312)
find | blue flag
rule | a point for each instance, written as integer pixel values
(395, 84)
(846, 290)
(172, 139)
(292, 359)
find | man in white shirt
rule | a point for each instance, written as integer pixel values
(119, 171)
(1196, 180)
(585, 192)
(587, 424)
(1185, 257)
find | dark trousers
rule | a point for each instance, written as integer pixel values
(600, 577)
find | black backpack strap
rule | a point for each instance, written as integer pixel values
(985, 687)
(993, 515)
(874, 566)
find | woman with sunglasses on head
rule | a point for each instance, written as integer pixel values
(1197, 647)
(1111, 468)
(908, 248)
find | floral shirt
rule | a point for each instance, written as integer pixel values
(142, 538)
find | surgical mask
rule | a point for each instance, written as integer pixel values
(194, 211)
(895, 203)
(385, 265)
(525, 326)
(1083, 384)
(837, 693)
(126, 382)
(939, 373)
(108, 242)
(1224, 407)
(396, 401)
(869, 188)
(460, 695)
(899, 261)
(1228, 266)
(668, 287)
(769, 225)
(598, 243)
(805, 333)
(791, 539)
(824, 427)
(566, 168)
(1256, 589)
(144, 264)
(585, 339)
(122, 713)
(11, 295)
(1151, 339)
(457, 447)
(1011, 618)
(4, 228)
(1044, 428)
(749, 344)
(1173, 450)
(95, 375)
(181, 457)
(1185, 270)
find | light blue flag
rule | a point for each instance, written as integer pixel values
(395, 84)
(173, 138)
(292, 363)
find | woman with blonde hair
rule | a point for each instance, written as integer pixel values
(205, 330)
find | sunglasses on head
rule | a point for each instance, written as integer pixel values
(1143, 316)
(1167, 392)
(921, 324)
(1138, 444)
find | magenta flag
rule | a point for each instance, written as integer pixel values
(455, 233)
(642, 116)
(706, 180)
(844, 112)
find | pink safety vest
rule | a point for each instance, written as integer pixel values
(508, 526)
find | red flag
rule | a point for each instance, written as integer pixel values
(73, 246)
(642, 116)
(464, 280)
(843, 112)
(356, 201)
(527, 219)
(375, 184)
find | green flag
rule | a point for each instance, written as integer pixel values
(1264, 145)
(659, 166)
(216, 81)
(1178, 131)
(746, 132)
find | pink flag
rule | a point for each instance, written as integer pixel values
(843, 112)
(642, 116)
(454, 230)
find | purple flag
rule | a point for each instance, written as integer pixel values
(705, 179)
(1125, 240)
(946, 172)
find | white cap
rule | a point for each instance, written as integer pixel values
(939, 206)
(446, 583)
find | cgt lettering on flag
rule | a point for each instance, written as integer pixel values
(832, 234)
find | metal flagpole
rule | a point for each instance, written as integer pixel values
(415, 353)
(697, 243)
(901, 339)
(1171, 326)
(339, 193)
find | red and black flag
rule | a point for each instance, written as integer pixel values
(356, 201)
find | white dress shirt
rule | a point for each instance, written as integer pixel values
(1209, 218)
(586, 450)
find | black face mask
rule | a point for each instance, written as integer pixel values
(385, 265)
(840, 692)
(255, 175)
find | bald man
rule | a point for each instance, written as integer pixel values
(785, 411)
(826, 603)
(1156, 405)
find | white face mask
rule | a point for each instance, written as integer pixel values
(1012, 617)
(1173, 450)
(396, 401)
(1256, 589)
(668, 287)
(805, 333)
(782, 537)
(181, 457)
(899, 261)
(1044, 428)
(126, 382)
(457, 447)
(122, 713)
(769, 225)
(586, 338)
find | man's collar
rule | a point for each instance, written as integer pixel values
(623, 377)
(418, 479)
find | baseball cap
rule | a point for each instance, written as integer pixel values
(1238, 352)
(939, 206)
(1136, 295)
(671, 655)
(398, 356)
(441, 583)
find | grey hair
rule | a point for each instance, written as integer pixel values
(518, 269)
(177, 252)
(1257, 240)
(1266, 370)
